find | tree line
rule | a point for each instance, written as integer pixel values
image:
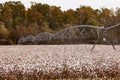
(16, 21)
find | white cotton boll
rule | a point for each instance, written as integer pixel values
(50, 58)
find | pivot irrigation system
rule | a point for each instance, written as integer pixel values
(80, 32)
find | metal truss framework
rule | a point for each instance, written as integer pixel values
(76, 32)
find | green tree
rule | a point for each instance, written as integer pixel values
(117, 17)
(44, 9)
(55, 21)
(106, 17)
(86, 15)
(34, 17)
(69, 17)
(18, 12)
(1, 11)
(3, 31)
(6, 16)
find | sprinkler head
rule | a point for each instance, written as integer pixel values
(104, 39)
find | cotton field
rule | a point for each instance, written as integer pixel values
(59, 61)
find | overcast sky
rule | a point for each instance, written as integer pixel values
(73, 4)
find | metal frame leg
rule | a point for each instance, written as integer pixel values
(112, 43)
(95, 44)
